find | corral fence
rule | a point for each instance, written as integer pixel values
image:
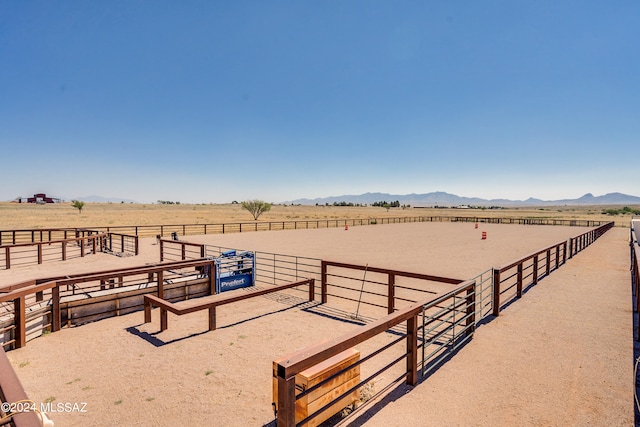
(34, 307)
(38, 246)
(242, 227)
(270, 268)
(634, 246)
(432, 330)
(512, 279)
(411, 340)
(371, 288)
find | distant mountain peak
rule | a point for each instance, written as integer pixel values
(441, 198)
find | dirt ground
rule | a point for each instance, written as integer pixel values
(129, 374)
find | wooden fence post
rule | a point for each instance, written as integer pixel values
(286, 416)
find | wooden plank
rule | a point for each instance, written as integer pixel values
(13, 391)
(330, 395)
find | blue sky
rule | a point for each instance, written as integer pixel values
(215, 101)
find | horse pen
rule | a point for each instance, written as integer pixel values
(406, 297)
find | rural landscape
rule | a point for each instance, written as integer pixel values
(26, 216)
(270, 322)
(319, 214)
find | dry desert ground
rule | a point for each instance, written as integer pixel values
(563, 355)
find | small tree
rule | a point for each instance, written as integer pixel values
(256, 207)
(78, 205)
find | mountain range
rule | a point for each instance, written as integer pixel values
(443, 199)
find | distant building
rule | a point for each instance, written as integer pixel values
(40, 199)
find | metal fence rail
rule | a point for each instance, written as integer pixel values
(34, 235)
(511, 280)
(88, 242)
(634, 246)
(450, 314)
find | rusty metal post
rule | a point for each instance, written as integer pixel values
(19, 308)
(323, 281)
(212, 318)
(548, 268)
(56, 321)
(163, 311)
(391, 297)
(496, 292)
(312, 289)
(471, 310)
(535, 270)
(412, 350)
(147, 310)
(519, 282)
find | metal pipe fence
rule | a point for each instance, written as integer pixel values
(383, 360)
(86, 242)
(511, 280)
(34, 235)
(448, 321)
(634, 247)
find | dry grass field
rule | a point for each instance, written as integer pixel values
(186, 375)
(27, 216)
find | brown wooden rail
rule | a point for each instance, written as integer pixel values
(11, 391)
(18, 293)
(211, 302)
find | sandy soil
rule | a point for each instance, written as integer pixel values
(128, 374)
